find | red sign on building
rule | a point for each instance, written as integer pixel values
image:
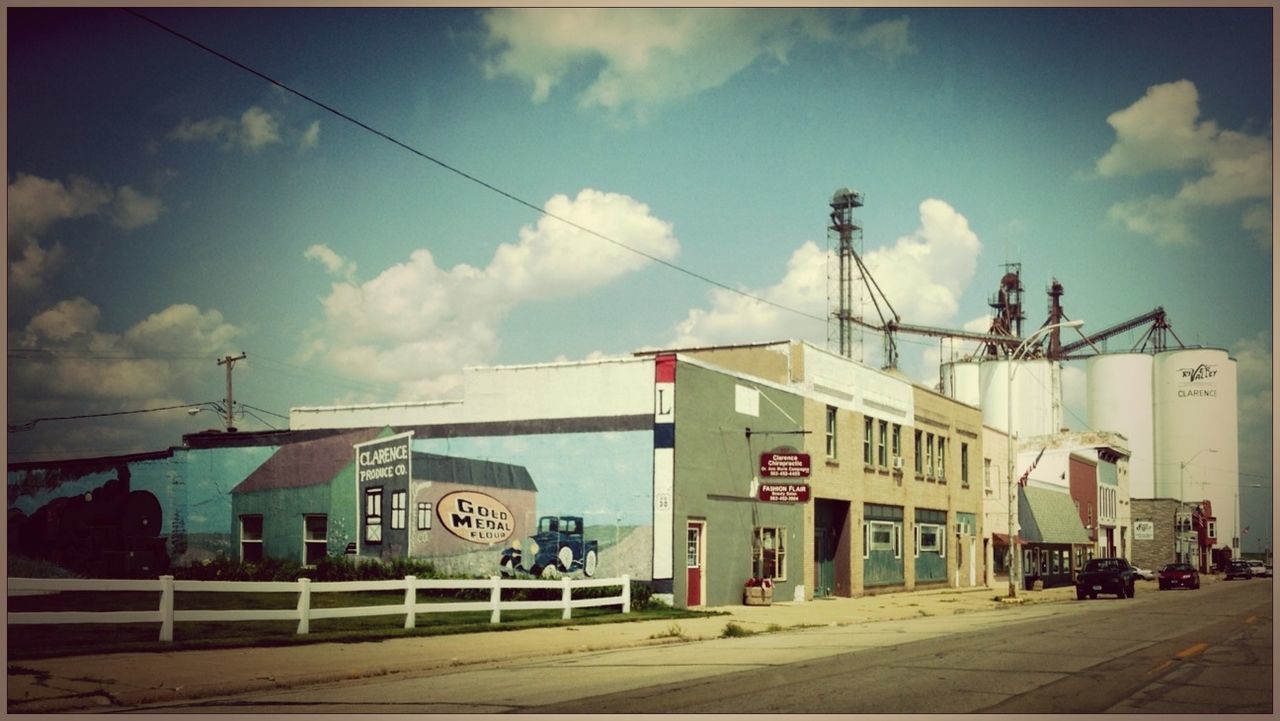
(784, 465)
(784, 492)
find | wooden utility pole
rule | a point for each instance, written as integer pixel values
(230, 362)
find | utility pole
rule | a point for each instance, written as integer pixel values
(230, 362)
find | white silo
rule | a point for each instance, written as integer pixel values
(960, 381)
(1118, 391)
(1037, 396)
(1196, 432)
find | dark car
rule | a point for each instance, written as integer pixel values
(1105, 575)
(1239, 569)
(1179, 575)
(557, 548)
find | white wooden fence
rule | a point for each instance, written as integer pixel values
(166, 615)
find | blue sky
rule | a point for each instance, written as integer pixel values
(167, 208)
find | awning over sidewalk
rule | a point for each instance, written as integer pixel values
(1049, 516)
(1002, 539)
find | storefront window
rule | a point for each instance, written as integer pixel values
(373, 515)
(771, 553)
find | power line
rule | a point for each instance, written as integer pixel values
(17, 427)
(489, 186)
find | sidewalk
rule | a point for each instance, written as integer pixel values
(129, 679)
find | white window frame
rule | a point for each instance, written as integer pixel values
(868, 440)
(897, 440)
(373, 514)
(252, 540)
(832, 426)
(919, 450)
(424, 515)
(399, 510)
(883, 526)
(964, 465)
(1212, 529)
(308, 541)
(882, 445)
(939, 545)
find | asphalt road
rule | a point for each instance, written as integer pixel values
(1205, 651)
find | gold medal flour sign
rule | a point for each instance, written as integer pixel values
(475, 517)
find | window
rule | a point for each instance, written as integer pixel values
(1213, 529)
(928, 538)
(942, 458)
(882, 444)
(831, 432)
(424, 516)
(866, 540)
(881, 535)
(315, 539)
(964, 465)
(919, 456)
(399, 510)
(1056, 568)
(771, 553)
(692, 558)
(1044, 563)
(928, 449)
(1028, 568)
(897, 540)
(251, 539)
(373, 515)
(868, 426)
(897, 441)
(1089, 522)
(988, 481)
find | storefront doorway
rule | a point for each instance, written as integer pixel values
(695, 556)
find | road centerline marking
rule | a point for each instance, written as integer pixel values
(1191, 650)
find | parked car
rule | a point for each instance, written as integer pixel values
(1105, 575)
(1177, 575)
(557, 548)
(1239, 569)
(1259, 568)
(1144, 574)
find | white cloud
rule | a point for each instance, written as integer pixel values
(647, 57)
(37, 204)
(254, 130)
(94, 369)
(1162, 132)
(922, 275)
(332, 262)
(888, 40)
(310, 137)
(133, 209)
(417, 324)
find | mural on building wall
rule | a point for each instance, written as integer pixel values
(580, 504)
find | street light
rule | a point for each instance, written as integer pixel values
(1015, 565)
(1183, 540)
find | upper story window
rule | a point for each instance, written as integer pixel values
(831, 432)
(882, 444)
(868, 426)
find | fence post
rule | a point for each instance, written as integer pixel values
(626, 593)
(166, 608)
(565, 597)
(410, 602)
(304, 606)
(495, 599)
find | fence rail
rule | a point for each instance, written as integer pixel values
(166, 615)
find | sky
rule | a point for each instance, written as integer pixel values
(468, 187)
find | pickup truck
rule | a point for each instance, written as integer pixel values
(1106, 575)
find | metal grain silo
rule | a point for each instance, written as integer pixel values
(1037, 396)
(960, 380)
(1118, 391)
(1196, 431)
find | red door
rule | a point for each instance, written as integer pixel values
(694, 557)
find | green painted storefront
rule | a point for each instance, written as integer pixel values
(714, 469)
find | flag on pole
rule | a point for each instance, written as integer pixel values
(1023, 480)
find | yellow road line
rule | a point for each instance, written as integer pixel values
(1165, 664)
(1191, 650)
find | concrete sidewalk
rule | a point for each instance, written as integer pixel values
(130, 679)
